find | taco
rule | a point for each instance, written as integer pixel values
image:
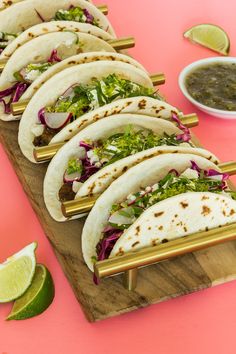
(100, 153)
(25, 14)
(158, 200)
(73, 92)
(44, 28)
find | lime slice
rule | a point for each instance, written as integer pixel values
(37, 298)
(209, 36)
(16, 273)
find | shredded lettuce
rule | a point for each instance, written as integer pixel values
(76, 14)
(130, 142)
(74, 165)
(97, 94)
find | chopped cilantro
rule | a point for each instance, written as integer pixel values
(74, 165)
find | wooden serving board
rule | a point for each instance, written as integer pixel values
(156, 283)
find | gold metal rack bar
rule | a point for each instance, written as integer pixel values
(158, 79)
(46, 153)
(122, 43)
(130, 262)
(85, 204)
(103, 8)
(17, 108)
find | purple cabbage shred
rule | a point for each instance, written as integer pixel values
(54, 57)
(14, 93)
(186, 136)
(106, 244)
(211, 173)
(89, 17)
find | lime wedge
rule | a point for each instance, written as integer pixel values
(209, 36)
(16, 273)
(37, 298)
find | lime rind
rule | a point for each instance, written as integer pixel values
(37, 298)
(210, 36)
(16, 273)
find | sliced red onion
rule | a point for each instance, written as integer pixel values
(70, 178)
(55, 120)
(41, 116)
(69, 92)
(118, 219)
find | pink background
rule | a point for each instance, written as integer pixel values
(203, 322)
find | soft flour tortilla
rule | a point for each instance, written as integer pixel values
(23, 15)
(97, 183)
(59, 83)
(7, 78)
(44, 28)
(174, 217)
(7, 3)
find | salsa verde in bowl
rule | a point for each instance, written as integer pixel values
(210, 84)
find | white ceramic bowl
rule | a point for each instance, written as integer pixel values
(212, 111)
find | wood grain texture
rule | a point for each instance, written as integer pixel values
(156, 283)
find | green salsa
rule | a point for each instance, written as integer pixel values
(214, 85)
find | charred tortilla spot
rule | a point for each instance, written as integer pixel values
(149, 227)
(155, 242)
(30, 35)
(158, 214)
(82, 123)
(176, 215)
(206, 228)
(160, 227)
(142, 104)
(205, 210)
(232, 212)
(106, 114)
(72, 62)
(137, 230)
(184, 205)
(135, 244)
(125, 168)
(205, 197)
(185, 229)
(91, 188)
(120, 252)
(224, 212)
(164, 240)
